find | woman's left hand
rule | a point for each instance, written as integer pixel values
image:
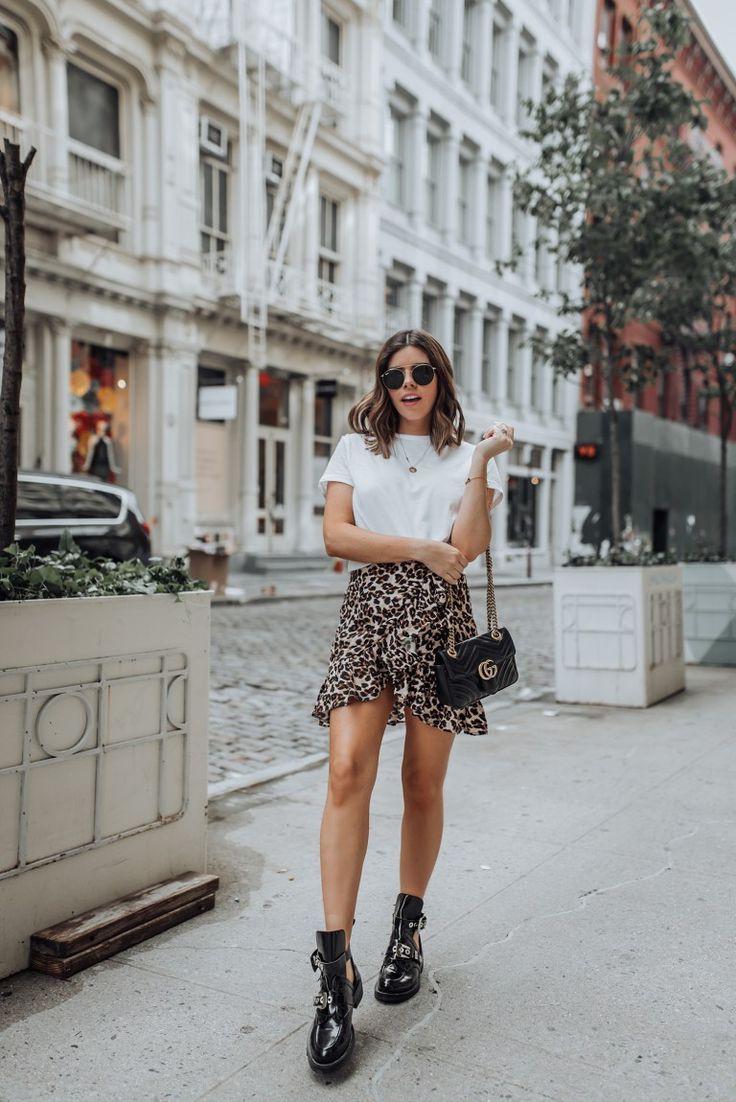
(498, 438)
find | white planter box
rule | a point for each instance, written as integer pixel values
(103, 754)
(618, 634)
(709, 592)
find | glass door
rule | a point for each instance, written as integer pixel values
(271, 516)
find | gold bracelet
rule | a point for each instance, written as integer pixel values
(467, 480)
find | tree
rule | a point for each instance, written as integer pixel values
(13, 174)
(610, 175)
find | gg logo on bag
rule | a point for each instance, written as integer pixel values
(487, 669)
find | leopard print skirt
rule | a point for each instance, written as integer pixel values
(393, 619)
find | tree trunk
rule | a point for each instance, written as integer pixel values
(13, 178)
(613, 441)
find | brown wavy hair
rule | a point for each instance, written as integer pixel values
(375, 416)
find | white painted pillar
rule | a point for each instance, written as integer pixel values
(479, 201)
(306, 466)
(499, 515)
(499, 367)
(58, 169)
(151, 195)
(505, 213)
(473, 368)
(510, 73)
(446, 320)
(483, 47)
(414, 290)
(448, 195)
(311, 237)
(420, 29)
(524, 383)
(417, 128)
(546, 382)
(249, 469)
(543, 521)
(454, 14)
(61, 448)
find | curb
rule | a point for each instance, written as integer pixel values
(302, 595)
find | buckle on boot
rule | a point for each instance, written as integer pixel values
(316, 961)
(322, 999)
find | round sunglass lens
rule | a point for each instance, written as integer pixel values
(422, 374)
(393, 378)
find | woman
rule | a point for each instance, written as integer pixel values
(407, 502)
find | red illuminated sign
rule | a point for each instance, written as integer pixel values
(586, 451)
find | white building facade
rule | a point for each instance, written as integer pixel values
(233, 202)
(221, 358)
(457, 74)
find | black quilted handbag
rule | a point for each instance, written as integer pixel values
(479, 666)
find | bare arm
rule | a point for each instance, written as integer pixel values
(471, 532)
(344, 539)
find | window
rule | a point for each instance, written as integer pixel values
(9, 85)
(489, 336)
(627, 38)
(322, 440)
(463, 200)
(79, 503)
(605, 34)
(396, 149)
(496, 45)
(331, 39)
(550, 73)
(214, 184)
(535, 388)
(429, 312)
(521, 529)
(394, 304)
(432, 179)
(273, 398)
(329, 256)
(540, 255)
(466, 63)
(556, 394)
(94, 111)
(518, 230)
(399, 13)
(493, 205)
(434, 38)
(458, 342)
(523, 86)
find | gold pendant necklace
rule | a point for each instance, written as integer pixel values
(413, 467)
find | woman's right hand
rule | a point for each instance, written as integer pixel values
(443, 559)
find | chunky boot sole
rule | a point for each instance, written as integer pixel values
(315, 1065)
(395, 996)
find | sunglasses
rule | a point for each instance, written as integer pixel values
(422, 374)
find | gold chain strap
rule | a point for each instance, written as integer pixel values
(491, 612)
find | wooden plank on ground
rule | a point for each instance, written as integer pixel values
(101, 924)
(63, 967)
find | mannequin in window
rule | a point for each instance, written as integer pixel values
(100, 459)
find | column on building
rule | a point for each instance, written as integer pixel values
(61, 358)
(500, 513)
(500, 361)
(58, 166)
(417, 126)
(454, 16)
(446, 320)
(545, 497)
(310, 238)
(420, 28)
(479, 201)
(474, 365)
(414, 289)
(510, 72)
(305, 536)
(150, 211)
(525, 368)
(248, 421)
(482, 61)
(451, 148)
(506, 212)
(367, 281)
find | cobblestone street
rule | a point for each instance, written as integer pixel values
(268, 661)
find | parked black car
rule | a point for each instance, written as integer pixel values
(104, 519)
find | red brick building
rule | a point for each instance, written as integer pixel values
(700, 68)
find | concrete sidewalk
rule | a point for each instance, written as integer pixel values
(579, 946)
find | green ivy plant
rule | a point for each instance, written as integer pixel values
(68, 572)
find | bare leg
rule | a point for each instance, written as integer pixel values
(423, 770)
(356, 732)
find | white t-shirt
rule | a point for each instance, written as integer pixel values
(390, 500)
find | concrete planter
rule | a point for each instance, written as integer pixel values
(618, 634)
(709, 592)
(103, 754)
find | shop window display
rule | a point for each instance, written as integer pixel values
(99, 411)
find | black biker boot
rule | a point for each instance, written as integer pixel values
(402, 966)
(332, 1036)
